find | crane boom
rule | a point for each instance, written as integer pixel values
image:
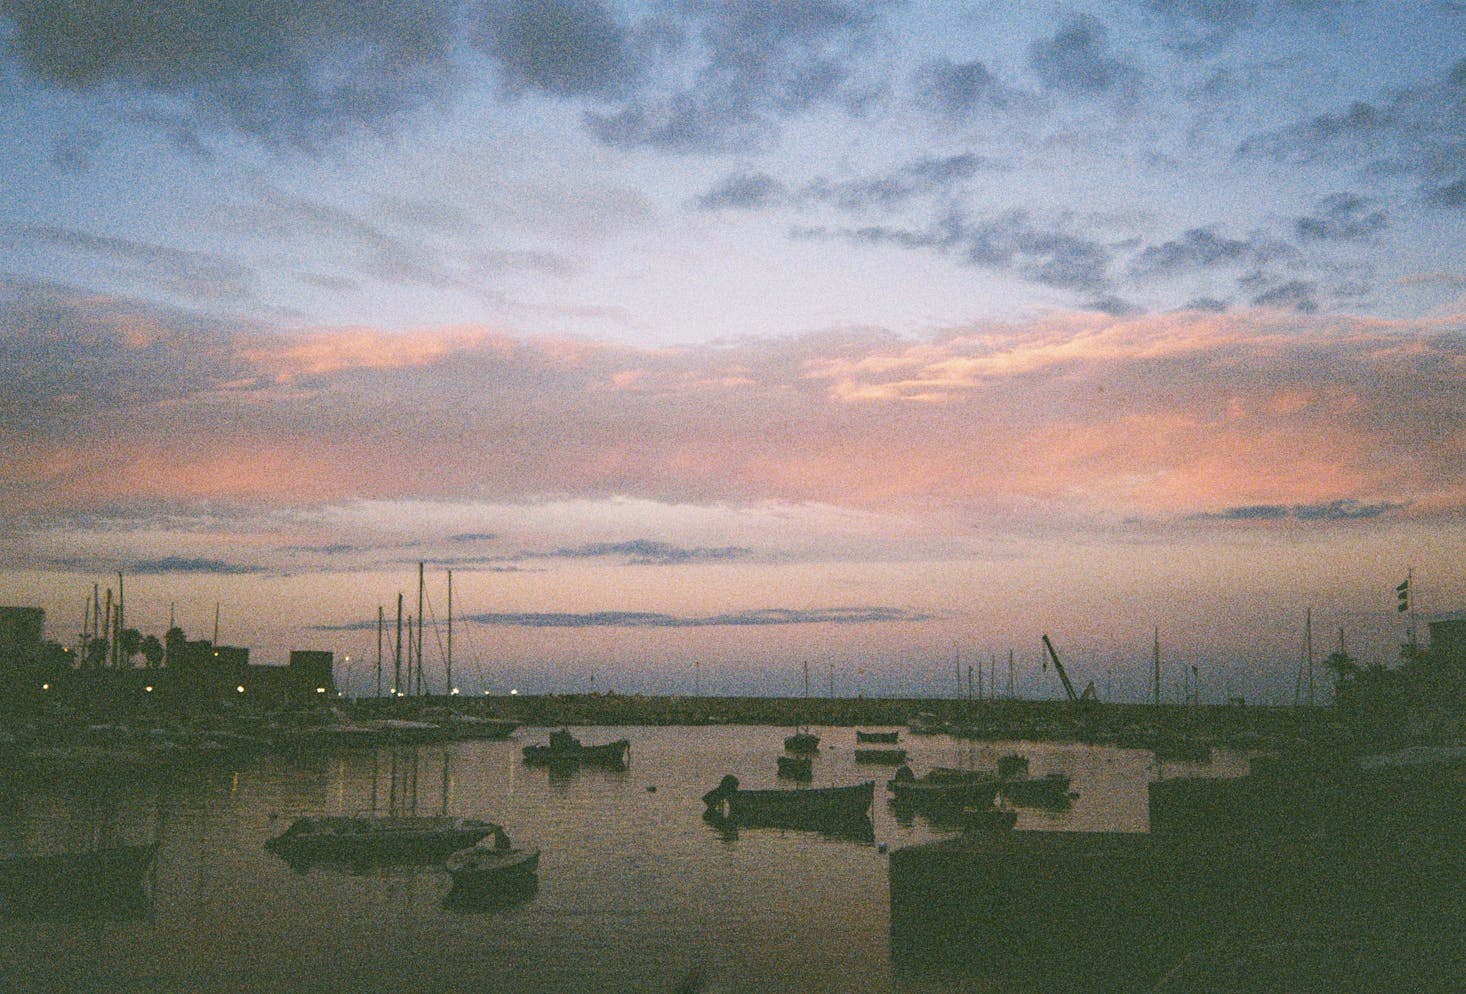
(1068, 687)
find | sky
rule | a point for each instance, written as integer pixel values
(703, 339)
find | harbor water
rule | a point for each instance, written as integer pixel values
(636, 891)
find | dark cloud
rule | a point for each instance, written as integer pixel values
(1333, 510)
(1416, 131)
(645, 552)
(298, 73)
(559, 47)
(1342, 217)
(924, 176)
(1008, 241)
(1113, 306)
(73, 152)
(1448, 195)
(199, 277)
(1342, 510)
(756, 64)
(958, 90)
(180, 564)
(1076, 60)
(742, 191)
(1255, 512)
(1210, 305)
(473, 537)
(1198, 248)
(70, 360)
(649, 619)
(1296, 295)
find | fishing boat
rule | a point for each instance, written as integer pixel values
(376, 838)
(818, 808)
(886, 757)
(566, 749)
(94, 877)
(483, 866)
(953, 790)
(861, 735)
(795, 767)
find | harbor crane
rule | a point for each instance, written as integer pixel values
(1074, 698)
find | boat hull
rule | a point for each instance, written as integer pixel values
(612, 754)
(376, 840)
(886, 737)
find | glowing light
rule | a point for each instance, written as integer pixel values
(320, 690)
(514, 693)
(149, 688)
(45, 686)
(240, 688)
(454, 692)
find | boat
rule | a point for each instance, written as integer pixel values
(1012, 765)
(93, 878)
(482, 867)
(376, 838)
(795, 767)
(471, 726)
(888, 757)
(828, 809)
(803, 740)
(926, 723)
(565, 749)
(951, 792)
(1048, 791)
(862, 735)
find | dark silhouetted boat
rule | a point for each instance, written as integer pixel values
(565, 749)
(950, 789)
(887, 737)
(1048, 791)
(795, 767)
(836, 810)
(484, 866)
(376, 838)
(887, 757)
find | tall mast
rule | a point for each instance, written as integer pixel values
(448, 662)
(1156, 668)
(397, 658)
(379, 649)
(1011, 688)
(419, 626)
(106, 661)
(216, 625)
(121, 658)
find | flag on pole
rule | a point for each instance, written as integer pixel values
(1402, 593)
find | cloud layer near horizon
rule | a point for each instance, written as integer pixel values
(1082, 415)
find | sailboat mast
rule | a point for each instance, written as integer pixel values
(448, 660)
(1156, 667)
(419, 626)
(380, 621)
(397, 658)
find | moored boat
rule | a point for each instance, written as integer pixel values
(949, 792)
(795, 767)
(1048, 791)
(862, 735)
(817, 808)
(566, 749)
(804, 742)
(481, 867)
(373, 838)
(889, 757)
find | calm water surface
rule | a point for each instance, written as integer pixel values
(636, 892)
